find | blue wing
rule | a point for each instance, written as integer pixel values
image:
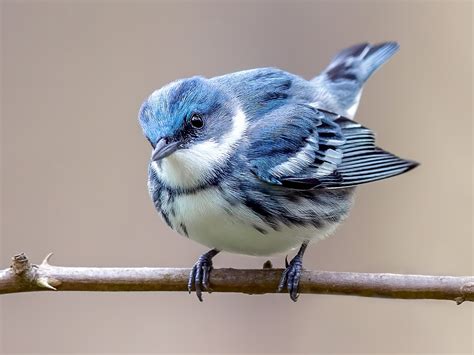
(301, 147)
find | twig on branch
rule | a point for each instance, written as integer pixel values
(25, 277)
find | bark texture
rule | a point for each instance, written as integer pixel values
(22, 276)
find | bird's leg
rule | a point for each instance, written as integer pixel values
(199, 276)
(292, 273)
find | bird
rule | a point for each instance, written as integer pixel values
(261, 161)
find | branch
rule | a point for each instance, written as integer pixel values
(25, 277)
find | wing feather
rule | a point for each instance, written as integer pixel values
(319, 149)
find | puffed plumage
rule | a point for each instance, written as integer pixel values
(260, 161)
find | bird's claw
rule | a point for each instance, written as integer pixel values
(199, 276)
(291, 277)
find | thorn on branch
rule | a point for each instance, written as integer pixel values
(44, 282)
(268, 265)
(45, 262)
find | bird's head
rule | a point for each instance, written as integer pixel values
(193, 126)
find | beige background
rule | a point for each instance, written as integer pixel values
(74, 172)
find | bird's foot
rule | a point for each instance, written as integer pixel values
(199, 276)
(291, 276)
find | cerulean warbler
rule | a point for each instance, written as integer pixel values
(261, 161)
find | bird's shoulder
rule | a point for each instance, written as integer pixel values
(262, 90)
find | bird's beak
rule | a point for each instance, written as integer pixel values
(163, 149)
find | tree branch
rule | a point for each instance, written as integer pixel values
(25, 277)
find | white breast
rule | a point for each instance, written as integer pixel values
(210, 220)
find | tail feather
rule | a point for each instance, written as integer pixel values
(339, 87)
(359, 62)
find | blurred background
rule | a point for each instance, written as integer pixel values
(74, 172)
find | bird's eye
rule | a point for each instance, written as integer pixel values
(196, 121)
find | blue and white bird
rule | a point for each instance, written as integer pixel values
(261, 161)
